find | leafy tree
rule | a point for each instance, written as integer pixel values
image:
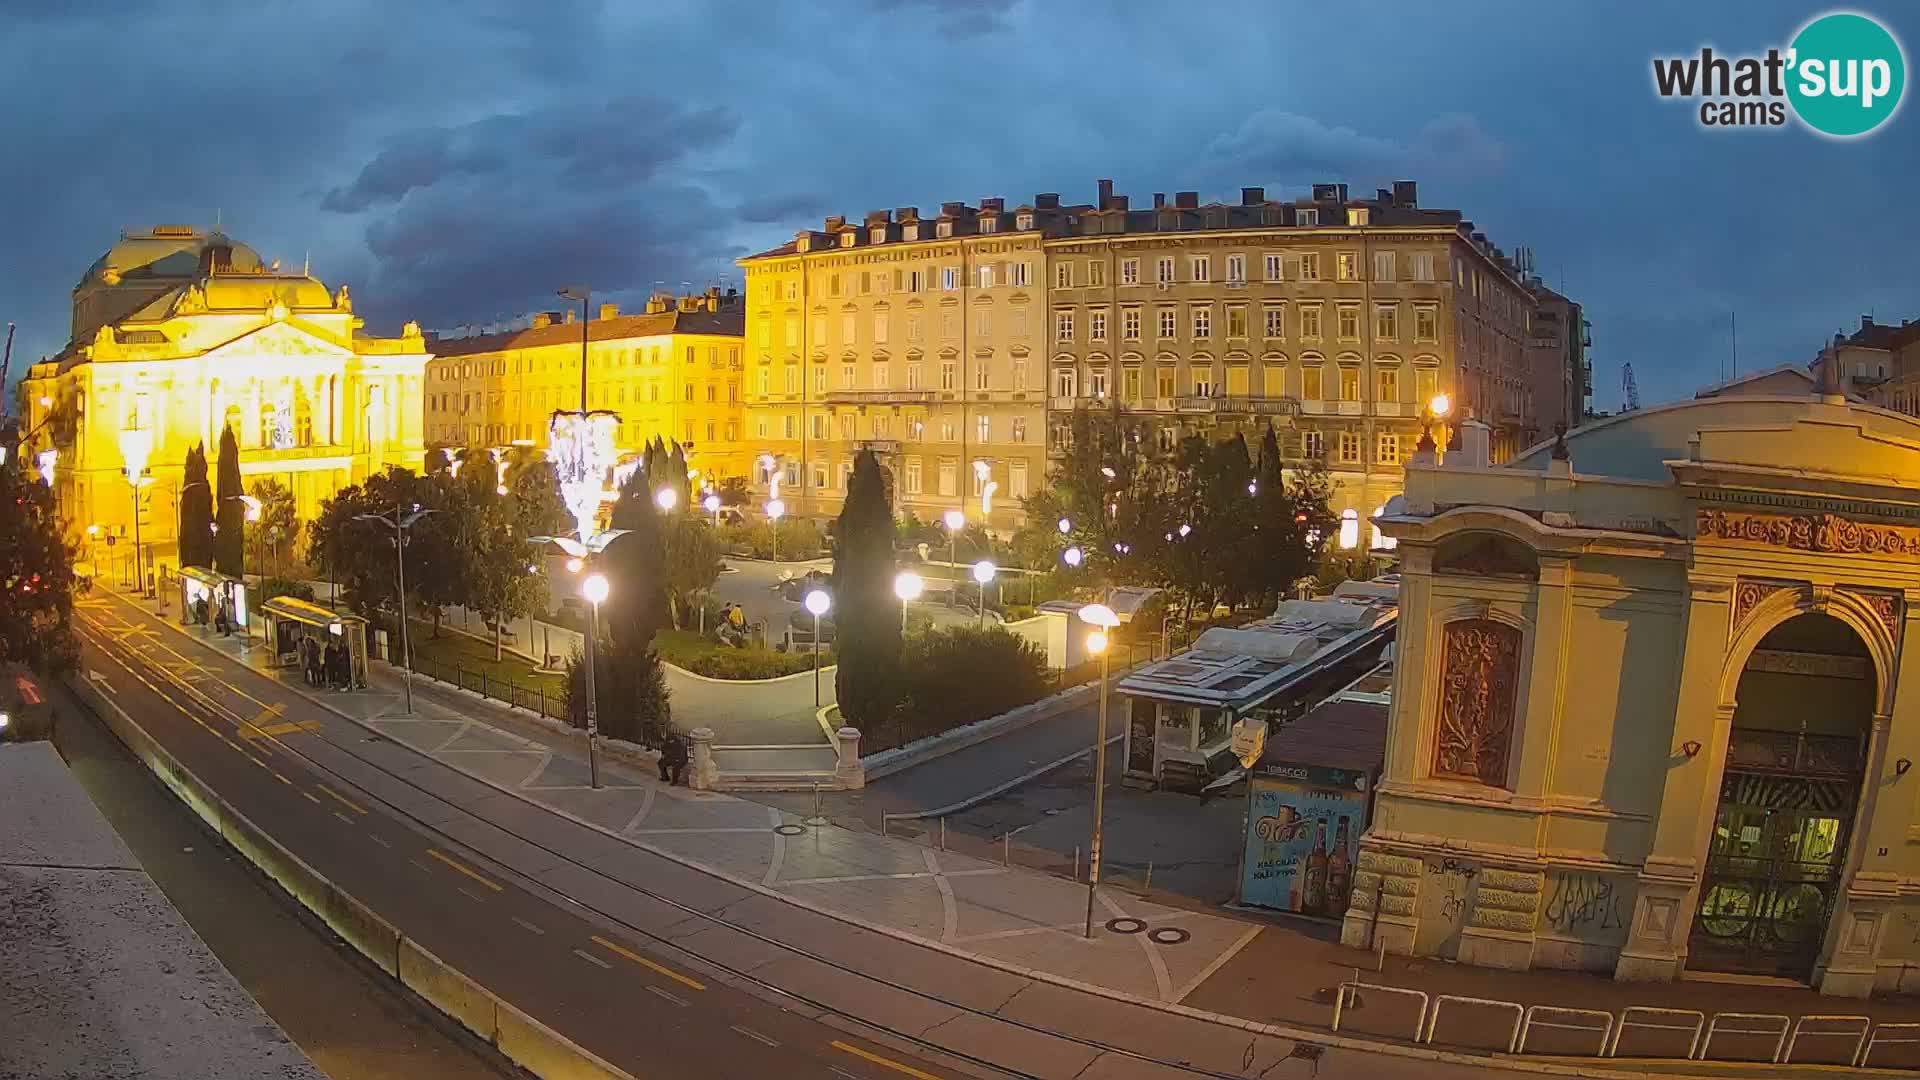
(196, 512)
(230, 514)
(537, 506)
(630, 687)
(631, 700)
(692, 562)
(279, 524)
(438, 458)
(735, 491)
(866, 611)
(36, 577)
(956, 675)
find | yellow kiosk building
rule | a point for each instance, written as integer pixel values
(1651, 711)
(179, 332)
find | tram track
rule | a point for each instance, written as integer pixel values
(103, 639)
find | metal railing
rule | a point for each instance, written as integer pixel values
(535, 699)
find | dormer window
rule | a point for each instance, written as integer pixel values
(878, 235)
(849, 238)
(990, 223)
(1357, 215)
(910, 232)
(1023, 221)
(1307, 216)
(943, 229)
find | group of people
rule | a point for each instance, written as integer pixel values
(328, 665)
(732, 628)
(222, 615)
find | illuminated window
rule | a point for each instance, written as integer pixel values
(1349, 529)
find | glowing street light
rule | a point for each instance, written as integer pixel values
(1103, 618)
(1185, 529)
(1065, 526)
(983, 572)
(712, 505)
(1441, 405)
(595, 589)
(1072, 556)
(136, 446)
(908, 586)
(666, 499)
(817, 604)
(574, 566)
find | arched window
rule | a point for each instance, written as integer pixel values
(1381, 541)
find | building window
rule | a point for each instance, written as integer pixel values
(1350, 455)
(1313, 444)
(1422, 266)
(882, 427)
(1202, 379)
(793, 333)
(1347, 267)
(949, 278)
(1389, 383)
(1202, 323)
(1018, 429)
(1017, 479)
(990, 223)
(1096, 273)
(1273, 263)
(1236, 322)
(1097, 325)
(847, 378)
(1236, 269)
(1349, 324)
(983, 322)
(913, 375)
(1307, 215)
(1383, 266)
(847, 430)
(819, 425)
(1426, 385)
(947, 376)
(1310, 380)
(1063, 382)
(949, 324)
(983, 428)
(847, 331)
(787, 424)
(880, 329)
(1349, 383)
(820, 379)
(949, 478)
(914, 477)
(1426, 323)
(820, 475)
(882, 372)
(1310, 322)
(947, 431)
(982, 374)
(984, 274)
(1163, 382)
(1063, 326)
(1200, 268)
(1169, 323)
(1276, 323)
(1020, 274)
(1388, 452)
(1163, 270)
(1097, 382)
(913, 328)
(1130, 324)
(1018, 325)
(1063, 275)
(981, 476)
(1310, 266)
(819, 338)
(1019, 374)
(1386, 322)
(1129, 271)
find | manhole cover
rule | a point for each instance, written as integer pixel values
(1169, 935)
(788, 830)
(1125, 925)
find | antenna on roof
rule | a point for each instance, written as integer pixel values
(306, 264)
(216, 217)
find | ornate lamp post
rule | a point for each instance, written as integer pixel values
(580, 442)
(136, 446)
(1101, 616)
(907, 585)
(817, 604)
(954, 521)
(983, 572)
(595, 589)
(401, 521)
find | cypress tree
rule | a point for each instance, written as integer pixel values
(230, 514)
(866, 613)
(196, 512)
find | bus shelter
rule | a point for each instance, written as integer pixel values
(202, 591)
(290, 621)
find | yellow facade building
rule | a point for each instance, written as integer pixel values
(178, 333)
(973, 335)
(673, 372)
(1648, 713)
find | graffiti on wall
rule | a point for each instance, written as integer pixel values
(1587, 906)
(1446, 897)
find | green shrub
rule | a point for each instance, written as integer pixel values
(686, 649)
(630, 691)
(282, 586)
(959, 674)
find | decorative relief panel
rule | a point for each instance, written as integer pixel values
(1886, 608)
(1749, 594)
(1788, 662)
(1809, 532)
(1481, 667)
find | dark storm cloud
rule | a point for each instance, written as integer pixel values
(783, 209)
(1287, 146)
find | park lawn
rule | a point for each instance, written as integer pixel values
(473, 654)
(702, 656)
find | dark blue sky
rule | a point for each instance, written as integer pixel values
(456, 162)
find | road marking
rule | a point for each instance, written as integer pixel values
(648, 964)
(463, 868)
(525, 925)
(591, 959)
(313, 798)
(470, 894)
(881, 1061)
(258, 761)
(754, 1035)
(381, 841)
(838, 1071)
(424, 868)
(341, 799)
(676, 999)
(281, 778)
(343, 817)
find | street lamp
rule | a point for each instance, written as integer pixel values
(136, 445)
(401, 521)
(1072, 556)
(666, 499)
(983, 572)
(1065, 526)
(712, 503)
(775, 511)
(907, 585)
(954, 521)
(817, 603)
(595, 589)
(1101, 616)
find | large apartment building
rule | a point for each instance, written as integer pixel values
(674, 371)
(960, 344)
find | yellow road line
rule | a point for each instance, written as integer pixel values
(684, 980)
(882, 1061)
(341, 799)
(463, 868)
(281, 778)
(308, 795)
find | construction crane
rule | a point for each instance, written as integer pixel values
(1630, 390)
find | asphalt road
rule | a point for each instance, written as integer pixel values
(635, 1005)
(350, 1018)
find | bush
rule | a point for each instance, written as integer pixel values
(282, 586)
(703, 656)
(631, 695)
(800, 538)
(957, 675)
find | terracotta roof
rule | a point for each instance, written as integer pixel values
(729, 321)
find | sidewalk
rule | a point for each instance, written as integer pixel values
(1278, 971)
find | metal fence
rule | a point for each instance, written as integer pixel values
(535, 699)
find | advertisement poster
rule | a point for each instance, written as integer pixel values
(1303, 834)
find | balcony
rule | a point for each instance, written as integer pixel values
(1237, 404)
(878, 397)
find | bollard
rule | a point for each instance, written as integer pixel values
(1006, 848)
(1149, 885)
(943, 834)
(1076, 862)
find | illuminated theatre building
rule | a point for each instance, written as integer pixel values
(1650, 711)
(179, 333)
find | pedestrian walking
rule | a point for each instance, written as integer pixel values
(673, 759)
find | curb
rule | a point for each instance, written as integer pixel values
(1297, 1034)
(524, 1040)
(1002, 788)
(921, 751)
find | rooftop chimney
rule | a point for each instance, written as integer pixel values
(609, 311)
(1119, 202)
(1187, 200)
(1866, 322)
(1406, 193)
(1106, 195)
(993, 206)
(834, 223)
(1252, 196)
(1047, 200)
(878, 217)
(1159, 200)
(569, 316)
(542, 319)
